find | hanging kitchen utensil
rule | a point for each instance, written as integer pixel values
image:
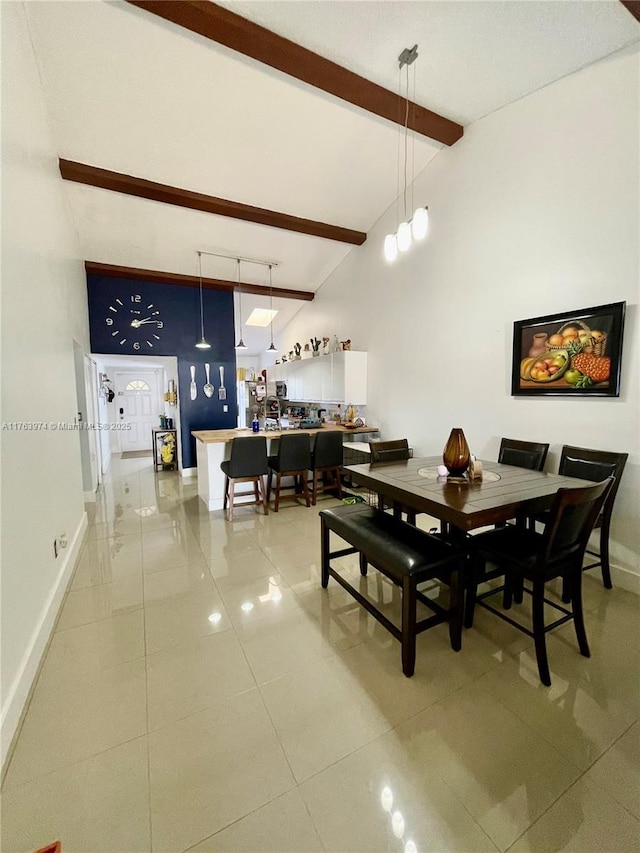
(222, 391)
(208, 388)
(193, 388)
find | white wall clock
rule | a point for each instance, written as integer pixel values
(133, 324)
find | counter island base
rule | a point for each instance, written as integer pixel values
(214, 446)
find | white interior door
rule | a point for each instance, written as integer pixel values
(137, 405)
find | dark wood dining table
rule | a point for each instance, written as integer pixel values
(505, 492)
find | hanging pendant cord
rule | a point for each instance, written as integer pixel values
(271, 303)
(201, 306)
(398, 144)
(239, 301)
(406, 124)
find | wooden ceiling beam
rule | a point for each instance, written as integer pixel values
(225, 27)
(136, 274)
(93, 176)
(633, 6)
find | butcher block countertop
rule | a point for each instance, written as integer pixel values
(220, 436)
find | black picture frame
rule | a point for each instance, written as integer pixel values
(564, 344)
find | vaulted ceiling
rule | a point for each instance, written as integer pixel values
(130, 92)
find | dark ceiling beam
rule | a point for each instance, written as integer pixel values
(225, 27)
(633, 6)
(82, 173)
(136, 274)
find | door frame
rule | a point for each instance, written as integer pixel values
(153, 376)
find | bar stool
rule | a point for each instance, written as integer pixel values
(326, 458)
(247, 464)
(293, 459)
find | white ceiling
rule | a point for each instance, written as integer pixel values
(130, 92)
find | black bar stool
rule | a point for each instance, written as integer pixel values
(293, 459)
(326, 458)
(247, 464)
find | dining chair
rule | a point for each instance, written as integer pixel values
(293, 459)
(523, 454)
(326, 459)
(394, 450)
(594, 465)
(247, 464)
(523, 554)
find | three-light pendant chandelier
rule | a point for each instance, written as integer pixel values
(203, 343)
(417, 227)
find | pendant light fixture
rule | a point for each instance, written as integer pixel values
(202, 343)
(417, 227)
(272, 347)
(241, 344)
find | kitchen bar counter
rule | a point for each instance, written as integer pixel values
(215, 436)
(213, 446)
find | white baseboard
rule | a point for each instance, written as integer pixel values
(17, 696)
(189, 472)
(625, 579)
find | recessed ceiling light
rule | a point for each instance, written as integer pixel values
(260, 317)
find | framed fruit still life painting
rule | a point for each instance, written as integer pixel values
(577, 353)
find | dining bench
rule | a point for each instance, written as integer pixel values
(407, 556)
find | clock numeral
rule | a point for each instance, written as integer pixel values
(109, 321)
(160, 324)
(136, 345)
(136, 298)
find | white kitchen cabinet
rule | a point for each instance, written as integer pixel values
(340, 377)
(348, 378)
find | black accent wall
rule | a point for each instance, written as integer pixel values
(114, 303)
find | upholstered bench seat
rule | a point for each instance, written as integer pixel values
(408, 557)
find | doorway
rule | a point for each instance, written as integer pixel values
(138, 404)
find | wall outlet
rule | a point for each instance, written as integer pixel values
(59, 543)
(225, 408)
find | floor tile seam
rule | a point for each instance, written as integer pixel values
(372, 738)
(67, 767)
(299, 782)
(188, 642)
(560, 795)
(535, 733)
(236, 821)
(311, 818)
(464, 808)
(193, 713)
(132, 609)
(602, 755)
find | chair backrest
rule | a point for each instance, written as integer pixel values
(594, 465)
(294, 452)
(390, 451)
(523, 454)
(571, 520)
(248, 456)
(327, 449)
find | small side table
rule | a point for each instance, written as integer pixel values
(158, 440)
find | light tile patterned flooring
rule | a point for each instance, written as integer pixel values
(202, 692)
